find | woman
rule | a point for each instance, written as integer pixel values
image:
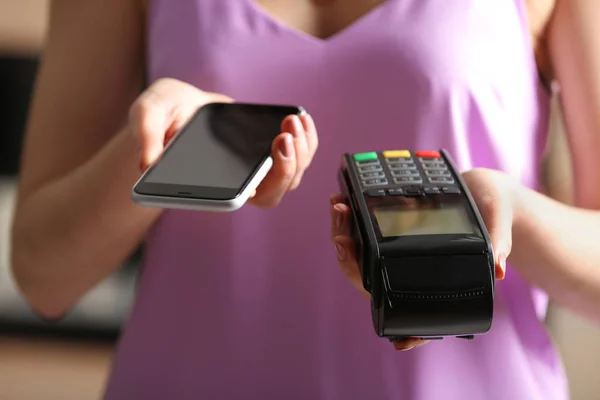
(247, 305)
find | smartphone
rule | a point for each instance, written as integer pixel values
(216, 160)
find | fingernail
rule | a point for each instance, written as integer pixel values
(341, 252)
(286, 147)
(308, 119)
(402, 347)
(501, 270)
(338, 218)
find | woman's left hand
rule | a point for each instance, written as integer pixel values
(494, 193)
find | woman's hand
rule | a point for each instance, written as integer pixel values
(166, 106)
(495, 195)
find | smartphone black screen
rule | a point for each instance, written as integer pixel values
(217, 152)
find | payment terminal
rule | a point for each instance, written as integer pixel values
(424, 253)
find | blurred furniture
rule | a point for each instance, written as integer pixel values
(53, 369)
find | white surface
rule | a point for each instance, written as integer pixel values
(7, 299)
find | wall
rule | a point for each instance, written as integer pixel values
(22, 25)
(576, 338)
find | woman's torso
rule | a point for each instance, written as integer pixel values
(252, 305)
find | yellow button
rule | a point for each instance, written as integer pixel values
(396, 154)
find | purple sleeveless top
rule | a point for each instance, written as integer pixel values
(252, 305)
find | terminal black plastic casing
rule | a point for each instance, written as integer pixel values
(425, 286)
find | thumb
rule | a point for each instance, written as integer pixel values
(148, 119)
(497, 213)
(218, 98)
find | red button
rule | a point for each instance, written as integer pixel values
(428, 154)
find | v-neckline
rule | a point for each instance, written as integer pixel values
(257, 9)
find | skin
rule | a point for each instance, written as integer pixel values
(554, 246)
(68, 234)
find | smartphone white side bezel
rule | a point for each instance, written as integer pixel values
(199, 204)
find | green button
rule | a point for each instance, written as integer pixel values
(365, 156)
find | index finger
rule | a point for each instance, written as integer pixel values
(336, 198)
(341, 220)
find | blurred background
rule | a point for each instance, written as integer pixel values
(71, 359)
(38, 360)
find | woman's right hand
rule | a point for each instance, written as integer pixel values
(341, 222)
(167, 105)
